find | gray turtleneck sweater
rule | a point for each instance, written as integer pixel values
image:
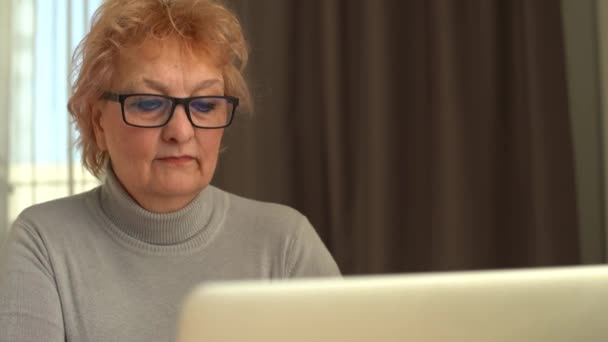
(98, 267)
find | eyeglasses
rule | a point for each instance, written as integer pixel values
(150, 110)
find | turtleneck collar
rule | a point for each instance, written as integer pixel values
(189, 225)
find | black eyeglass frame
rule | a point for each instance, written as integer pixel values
(185, 101)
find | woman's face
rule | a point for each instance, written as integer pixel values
(164, 168)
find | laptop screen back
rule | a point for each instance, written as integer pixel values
(558, 304)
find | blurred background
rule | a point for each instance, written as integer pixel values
(419, 135)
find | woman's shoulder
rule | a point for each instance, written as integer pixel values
(285, 228)
(50, 225)
(263, 219)
(258, 210)
(57, 212)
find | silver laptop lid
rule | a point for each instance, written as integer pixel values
(556, 304)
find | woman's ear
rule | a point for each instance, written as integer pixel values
(98, 127)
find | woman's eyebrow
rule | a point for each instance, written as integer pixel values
(207, 84)
(202, 85)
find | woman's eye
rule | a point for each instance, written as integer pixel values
(203, 106)
(145, 104)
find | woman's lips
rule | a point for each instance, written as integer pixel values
(178, 160)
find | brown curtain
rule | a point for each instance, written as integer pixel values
(415, 135)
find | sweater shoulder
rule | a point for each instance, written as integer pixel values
(58, 212)
(259, 209)
(285, 231)
(269, 216)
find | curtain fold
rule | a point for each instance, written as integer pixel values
(416, 136)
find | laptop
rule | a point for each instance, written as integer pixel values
(540, 305)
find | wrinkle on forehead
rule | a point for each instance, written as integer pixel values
(169, 61)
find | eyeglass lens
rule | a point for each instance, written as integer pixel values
(150, 110)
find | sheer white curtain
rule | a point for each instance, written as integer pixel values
(5, 26)
(38, 161)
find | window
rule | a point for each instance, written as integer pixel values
(38, 160)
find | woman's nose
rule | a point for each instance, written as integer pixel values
(179, 128)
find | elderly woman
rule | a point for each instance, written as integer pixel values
(158, 82)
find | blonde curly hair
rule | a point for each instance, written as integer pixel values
(204, 26)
